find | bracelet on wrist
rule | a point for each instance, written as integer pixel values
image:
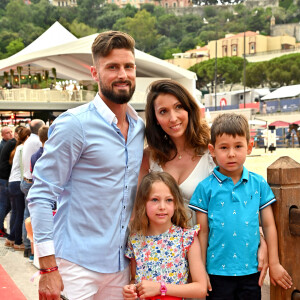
(45, 271)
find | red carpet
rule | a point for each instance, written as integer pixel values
(8, 289)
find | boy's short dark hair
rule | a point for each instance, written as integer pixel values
(43, 133)
(231, 124)
(106, 41)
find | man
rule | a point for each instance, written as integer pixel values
(90, 167)
(31, 145)
(5, 168)
(7, 135)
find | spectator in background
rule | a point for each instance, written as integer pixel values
(15, 194)
(7, 85)
(43, 136)
(31, 145)
(5, 168)
(6, 134)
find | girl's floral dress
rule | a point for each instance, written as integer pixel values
(162, 257)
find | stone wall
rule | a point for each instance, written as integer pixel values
(286, 29)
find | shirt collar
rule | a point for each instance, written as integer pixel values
(108, 115)
(221, 177)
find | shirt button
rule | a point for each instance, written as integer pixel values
(126, 186)
(124, 207)
(122, 226)
(121, 247)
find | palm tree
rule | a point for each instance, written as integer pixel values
(5, 75)
(39, 78)
(46, 77)
(12, 72)
(19, 70)
(53, 70)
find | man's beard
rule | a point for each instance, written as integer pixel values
(122, 96)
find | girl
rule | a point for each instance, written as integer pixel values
(161, 247)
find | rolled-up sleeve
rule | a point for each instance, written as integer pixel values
(51, 173)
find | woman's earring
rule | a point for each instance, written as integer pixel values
(166, 137)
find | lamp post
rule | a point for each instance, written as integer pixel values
(216, 68)
(244, 67)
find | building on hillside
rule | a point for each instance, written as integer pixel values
(63, 2)
(174, 3)
(189, 58)
(163, 3)
(292, 29)
(233, 45)
(135, 3)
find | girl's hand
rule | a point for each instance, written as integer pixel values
(280, 276)
(209, 288)
(148, 288)
(129, 292)
(263, 262)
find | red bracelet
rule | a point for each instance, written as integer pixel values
(45, 271)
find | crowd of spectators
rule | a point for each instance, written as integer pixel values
(18, 153)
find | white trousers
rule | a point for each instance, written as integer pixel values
(83, 284)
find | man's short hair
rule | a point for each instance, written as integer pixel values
(43, 133)
(106, 41)
(231, 124)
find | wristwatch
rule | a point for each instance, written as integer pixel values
(163, 288)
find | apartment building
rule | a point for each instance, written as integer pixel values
(251, 43)
(63, 2)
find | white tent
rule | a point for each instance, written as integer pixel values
(290, 91)
(72, 60)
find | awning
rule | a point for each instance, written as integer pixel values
(280, 124)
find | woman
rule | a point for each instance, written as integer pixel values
(177, 141)
(177, 137)
(16, 196)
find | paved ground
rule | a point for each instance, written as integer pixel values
(20, 271)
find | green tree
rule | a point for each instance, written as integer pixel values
(256, 74)
(88, 11)
(283, 70)
(141, 28)
(229, 70)
(109, 15)
(14, 47)
(81, 30)
(17, 14)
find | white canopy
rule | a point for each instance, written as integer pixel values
(290, 91)
(71, 57)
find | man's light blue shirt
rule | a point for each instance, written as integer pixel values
(233, 219)
(92, 172)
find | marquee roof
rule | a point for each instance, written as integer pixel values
(290, 91)
(71, 57)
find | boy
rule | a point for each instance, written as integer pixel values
(228, 204)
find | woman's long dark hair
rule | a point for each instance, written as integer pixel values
(197, 132)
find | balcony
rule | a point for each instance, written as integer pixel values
(26, 99)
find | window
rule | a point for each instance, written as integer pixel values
(234, 50)
(174, 4)
(252, 47)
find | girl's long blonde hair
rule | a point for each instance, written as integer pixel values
(140, 222)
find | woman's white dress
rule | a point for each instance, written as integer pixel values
(203, 169)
